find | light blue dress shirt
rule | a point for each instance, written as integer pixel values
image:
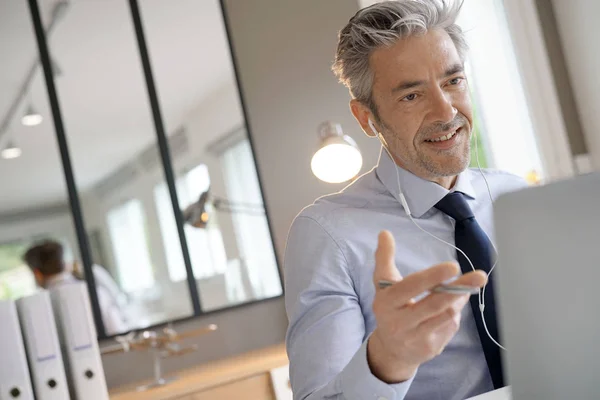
(329, 265)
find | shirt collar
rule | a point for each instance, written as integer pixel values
(59, 279)
(421, 195)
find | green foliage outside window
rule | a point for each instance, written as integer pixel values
(16, 279)
(476, 138)
(11, 255)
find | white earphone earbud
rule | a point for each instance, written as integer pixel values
(379, 136)
(373, 129)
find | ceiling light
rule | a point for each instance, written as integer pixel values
(338, 159)
(31, 117)
(11, 151)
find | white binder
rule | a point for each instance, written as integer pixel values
(14, 373)
(73, 312)
(43, 348)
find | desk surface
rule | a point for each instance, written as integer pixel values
(209, 375)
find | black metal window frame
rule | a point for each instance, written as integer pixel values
(165, 156)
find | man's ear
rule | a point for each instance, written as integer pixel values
(363, 114)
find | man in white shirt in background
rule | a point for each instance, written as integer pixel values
(103, 279)
(349, 338)
(46, 260)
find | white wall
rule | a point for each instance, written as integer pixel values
(579, 31)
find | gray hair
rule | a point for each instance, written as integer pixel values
(382, 25)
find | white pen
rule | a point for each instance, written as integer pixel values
(452, 289)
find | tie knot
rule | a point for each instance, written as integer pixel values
(455, 206)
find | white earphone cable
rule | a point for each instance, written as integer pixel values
(481, 295)
(482, 292)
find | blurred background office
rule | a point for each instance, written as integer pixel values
(242, 89)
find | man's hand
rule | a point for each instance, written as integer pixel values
(410, 333)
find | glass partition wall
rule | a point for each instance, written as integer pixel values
(141, 165)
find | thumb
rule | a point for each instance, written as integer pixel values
(385, 266)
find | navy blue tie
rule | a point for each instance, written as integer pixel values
(470, 238)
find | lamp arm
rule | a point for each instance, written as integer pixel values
(217, 201)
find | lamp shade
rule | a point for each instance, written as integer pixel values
(11, 151)
(31, 117)
(338, 159)
(196, 214)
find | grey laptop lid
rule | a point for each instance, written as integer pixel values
(548, 277)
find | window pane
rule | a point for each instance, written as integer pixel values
(505, 127)
(169, 234)
(207, 249)
(127, 227)
(479, 155)
(206, 246)
(199, 97)
(33, 200)
(116, 162)
(250, 223)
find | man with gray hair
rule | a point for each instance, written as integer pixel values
(363, 266)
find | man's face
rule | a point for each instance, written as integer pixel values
(422, 99)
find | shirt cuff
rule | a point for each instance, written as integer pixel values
(359, 383)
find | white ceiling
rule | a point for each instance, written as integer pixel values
(102, 92)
